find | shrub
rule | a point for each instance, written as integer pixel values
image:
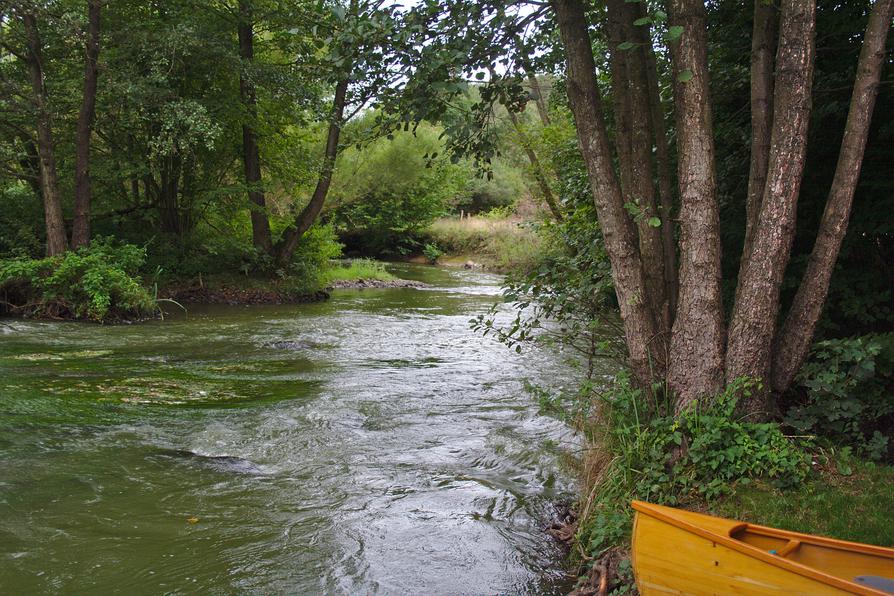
(307, 271)
(648, 453)
(432, 252)
(846, 393)
(99, 282)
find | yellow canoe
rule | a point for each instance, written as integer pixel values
(681, 552)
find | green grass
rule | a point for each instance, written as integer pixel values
(857, 507)
(357, 269)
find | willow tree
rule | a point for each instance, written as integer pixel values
(701, 350)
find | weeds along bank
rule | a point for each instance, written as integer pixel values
(498, 241)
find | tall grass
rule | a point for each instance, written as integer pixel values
(499, 243)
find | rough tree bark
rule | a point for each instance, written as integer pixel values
(251, 158)
(80, 233)
(755, 312)
(797, 333)
(663, 166)
(57, 242)
(646, 347)
(309, 214)
(630, 87)
(763, 50)
(697, 341)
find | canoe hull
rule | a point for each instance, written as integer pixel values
(698, 566)
(681, 552)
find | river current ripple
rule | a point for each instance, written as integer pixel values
(371, 444)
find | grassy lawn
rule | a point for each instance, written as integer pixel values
(857, 507)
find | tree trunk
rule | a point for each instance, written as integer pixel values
(539, 99)
(763, 49)
(30, 164)
(755, 312)
(664, 168)
(533, 83)
(630, 86)
(260, 224)
(80, 233)
(647, 348)
(309, 214)
(697, 342)
(537, 168)
(797, 333)
(57, 242)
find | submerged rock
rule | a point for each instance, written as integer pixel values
(222, 463)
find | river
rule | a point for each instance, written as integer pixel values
(370, 444)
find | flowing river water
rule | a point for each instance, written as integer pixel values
(370, 444)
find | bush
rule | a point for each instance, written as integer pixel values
(432, 252)
(648, 453)
(307, 271)
(99, 282)
(394, 189)
(846, 393)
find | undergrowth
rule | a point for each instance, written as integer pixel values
(643, 451)
(356, 269)
(99, 282)
(502, 244)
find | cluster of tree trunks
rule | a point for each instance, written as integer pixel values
(674, 321)
(283, 250)
(57, 240)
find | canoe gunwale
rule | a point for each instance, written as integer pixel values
(660, 513)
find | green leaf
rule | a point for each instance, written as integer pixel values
(674, 33)
(685, 76)
(479, 76)
(627, 45)
(642, 21)
(655, 222)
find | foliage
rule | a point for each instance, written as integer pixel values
(432, 252)
(846, 393)
(98, 282)
(357, 269)
(311, 261)
(20, 219)
(567, 298)
(386, 194)
(650, 453)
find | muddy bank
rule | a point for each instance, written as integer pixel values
(236, 296)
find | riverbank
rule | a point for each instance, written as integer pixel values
(842, 497)
(106, 284)
(231, 289)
